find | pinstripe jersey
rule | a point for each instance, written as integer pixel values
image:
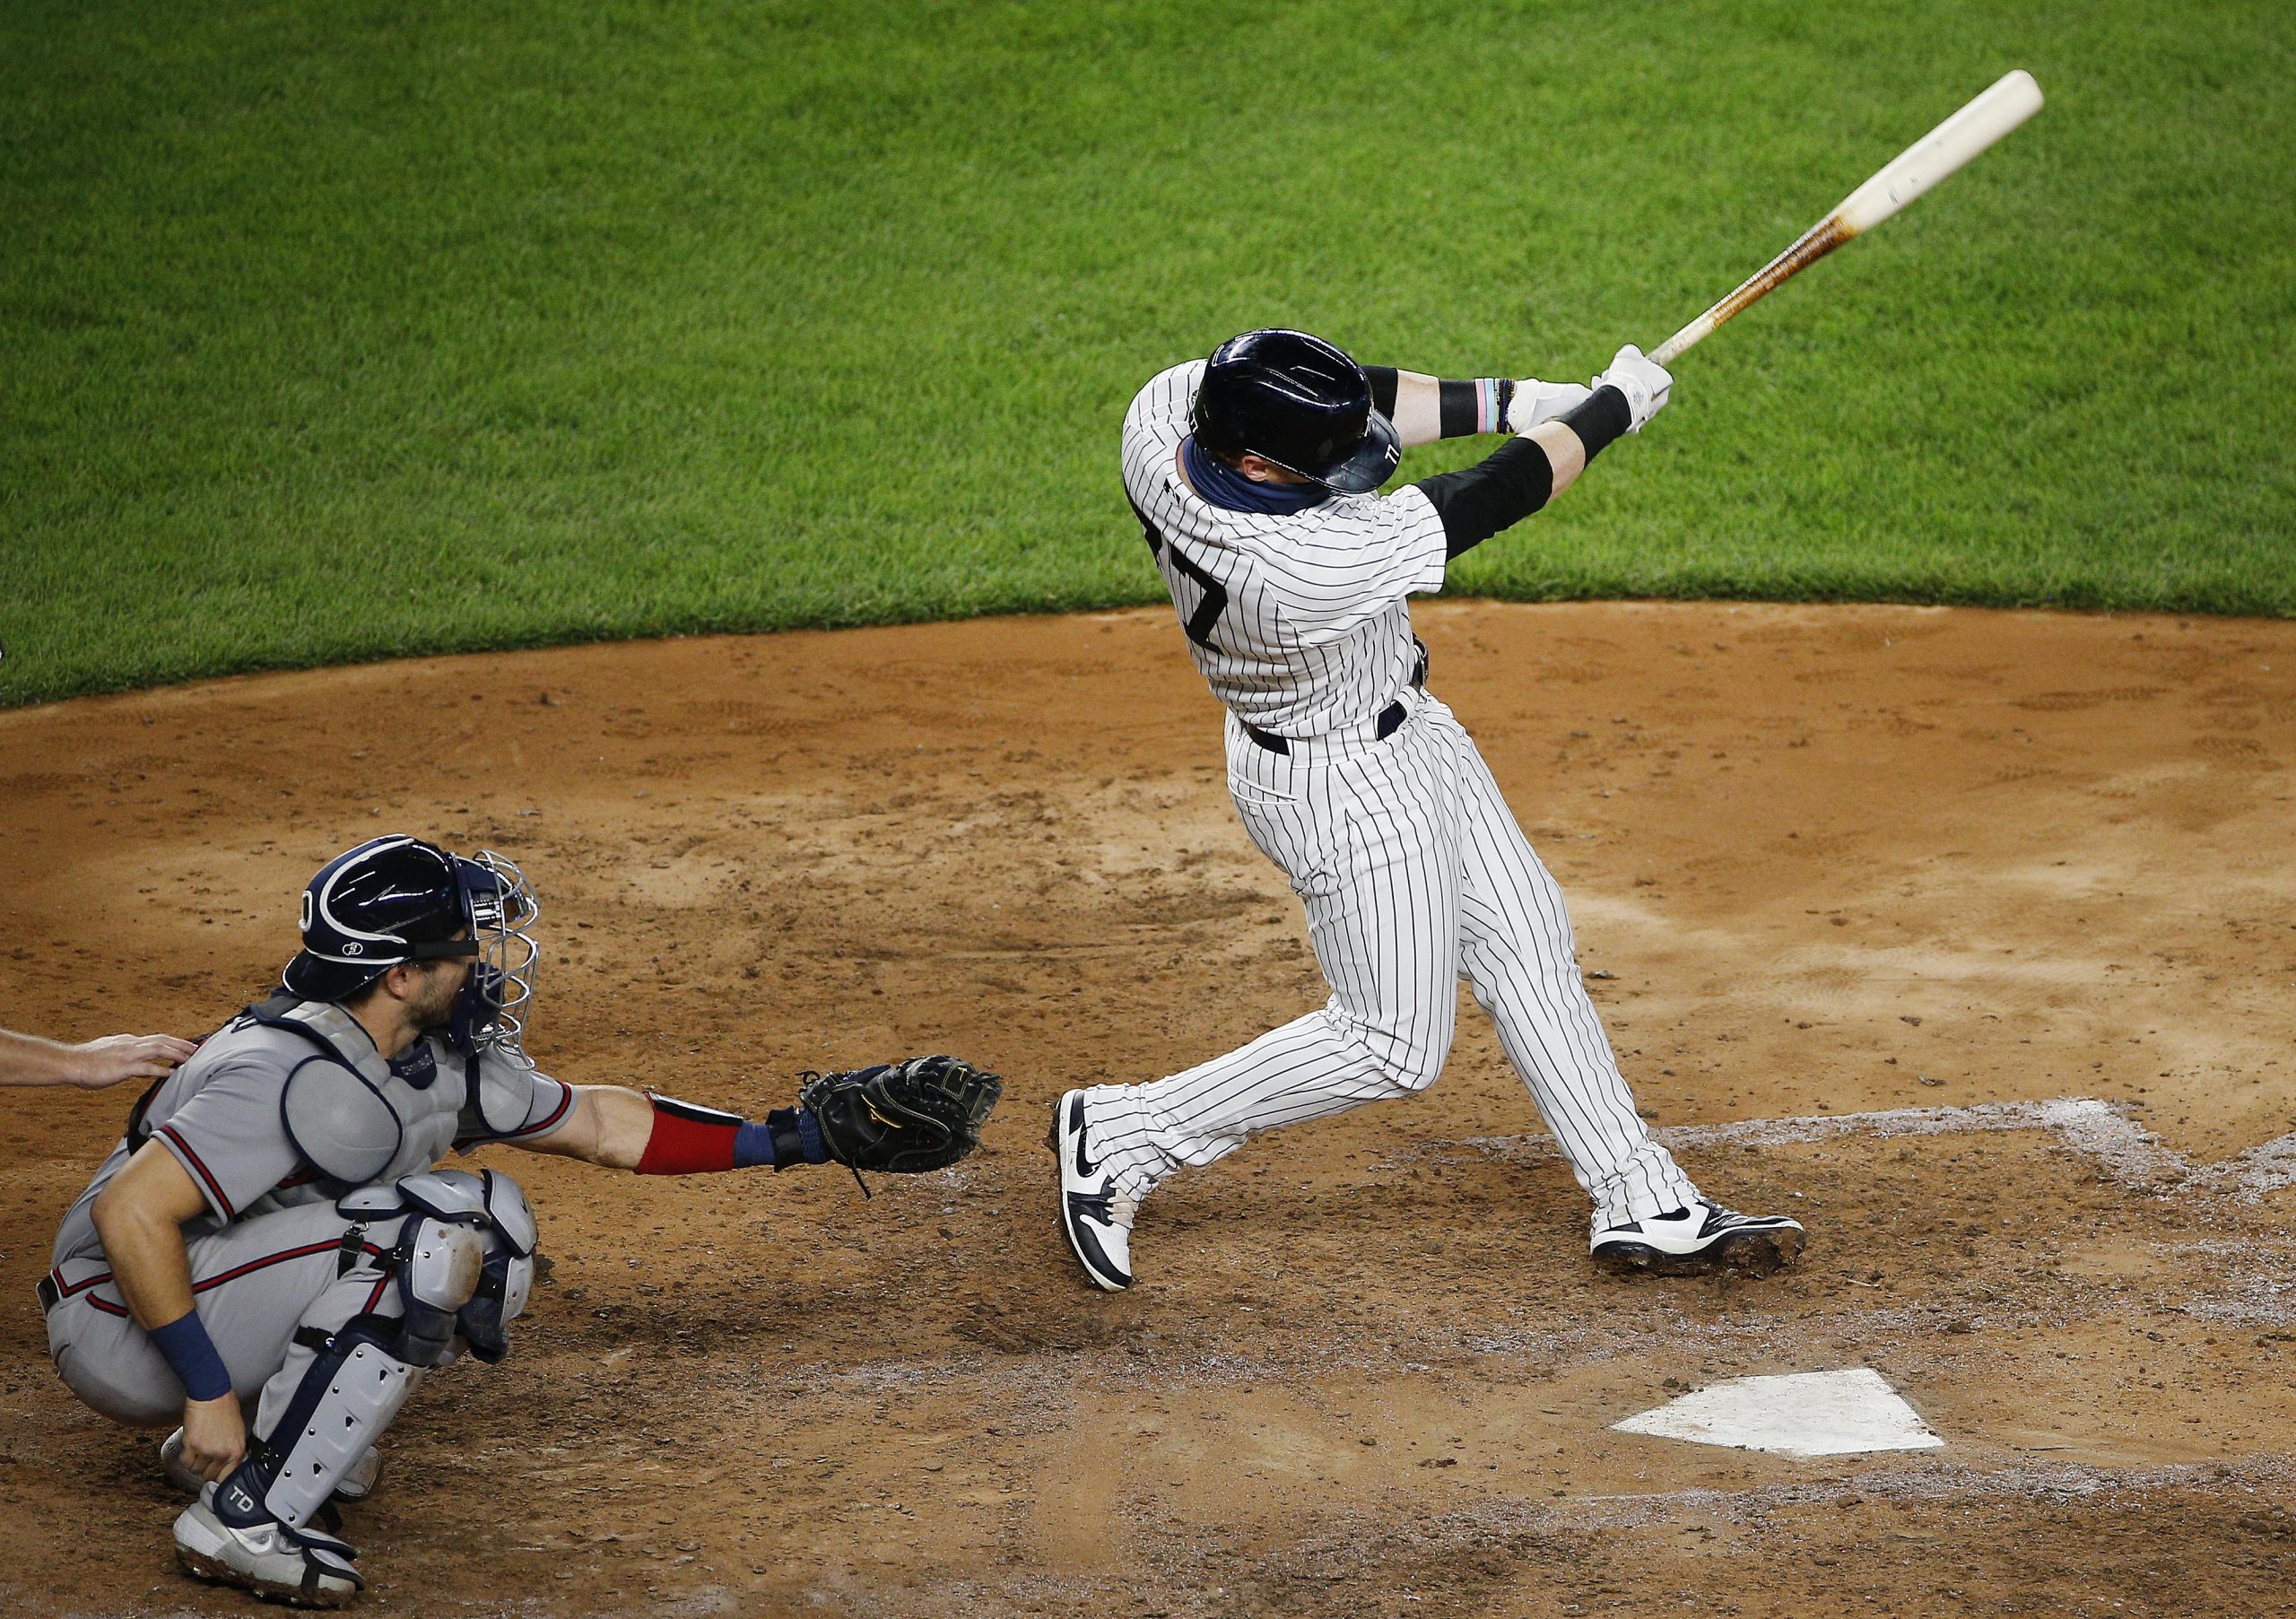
(1297, 621)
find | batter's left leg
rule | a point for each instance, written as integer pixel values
(1517, 951)
(1517, 954)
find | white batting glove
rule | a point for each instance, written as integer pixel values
(1535, 402)
(1644, 384)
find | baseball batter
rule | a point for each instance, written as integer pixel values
(271, 1230)
(1253, 477)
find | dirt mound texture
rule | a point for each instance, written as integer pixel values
(1967, 936)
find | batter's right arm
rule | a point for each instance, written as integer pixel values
(1519, 478)
(1425, 408)
(139, 1215)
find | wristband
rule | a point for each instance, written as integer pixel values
(688, 1140)
(796, 1136)
(190, 1354)
(1478, 406)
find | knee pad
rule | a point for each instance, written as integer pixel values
(491, 1208)
(440, 1265)
(503, 1283)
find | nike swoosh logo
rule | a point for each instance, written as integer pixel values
(1085, 1166)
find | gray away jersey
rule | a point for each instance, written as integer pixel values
(1298, 621)
(219, 1115)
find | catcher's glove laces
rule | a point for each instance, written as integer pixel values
(805, 1078)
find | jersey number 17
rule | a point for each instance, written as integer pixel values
(1210, 605)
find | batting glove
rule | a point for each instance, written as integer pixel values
(1644, 384)
(1535, 402)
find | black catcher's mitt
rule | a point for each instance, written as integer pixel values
(922, 1113)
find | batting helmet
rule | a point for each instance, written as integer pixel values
(1298, 402)
(394, 899)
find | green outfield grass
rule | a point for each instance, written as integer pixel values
(338, 331)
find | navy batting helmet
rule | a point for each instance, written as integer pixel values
(1298, 402)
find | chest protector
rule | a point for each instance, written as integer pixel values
(344, 1109)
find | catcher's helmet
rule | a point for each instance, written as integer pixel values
(396, 899)
(1298, 402)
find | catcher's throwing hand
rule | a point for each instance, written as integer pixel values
(904, 1117)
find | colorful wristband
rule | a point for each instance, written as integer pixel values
(190, 1354)
(1474, 406)
(688, 1140)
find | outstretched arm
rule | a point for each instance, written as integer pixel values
(1517, 479)
(26, 1059)
(1426, 408)
(626, 1130)
(920, 1113)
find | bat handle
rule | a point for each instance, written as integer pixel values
(1682, 342)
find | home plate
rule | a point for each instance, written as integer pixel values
(1802, 1414)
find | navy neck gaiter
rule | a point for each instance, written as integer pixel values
(1225, 487)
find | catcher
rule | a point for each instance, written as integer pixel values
(270, 1238)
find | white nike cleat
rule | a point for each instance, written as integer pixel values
(171, 1463)
(1097, 1217)
(302, 1567)
(358, 1480)
(1702, 1237)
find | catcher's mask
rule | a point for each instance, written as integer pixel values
(394, 899)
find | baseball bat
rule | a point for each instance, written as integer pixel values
(2013, 99)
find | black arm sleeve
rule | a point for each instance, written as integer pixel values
(1496, 492)
(1599, 420)
(1515, 480)
(1461, 408)
(1382, 378)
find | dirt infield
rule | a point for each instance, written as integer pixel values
(1859, 890)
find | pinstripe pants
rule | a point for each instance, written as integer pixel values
(1413, 875)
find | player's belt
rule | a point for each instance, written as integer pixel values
(1390, 721)
(50, 1295)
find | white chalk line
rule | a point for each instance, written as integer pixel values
(2099, 1130)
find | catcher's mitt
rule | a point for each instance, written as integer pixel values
(922, 1113)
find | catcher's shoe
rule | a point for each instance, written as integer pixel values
(1695, 1241)
(353, 1487)
(1096, 1215)
(171, 1463)
(301, 1567)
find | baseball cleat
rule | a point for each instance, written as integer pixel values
(358, 1480)
(355, 1486)
(171, 1463)
(1097, 1217)
(1695, 1241)
(302, 1567)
